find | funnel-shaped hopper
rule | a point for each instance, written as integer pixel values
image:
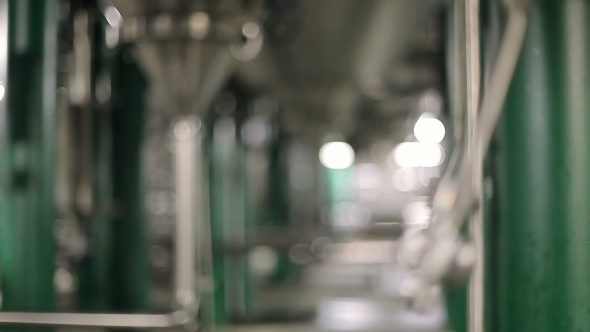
(187, 75)
(185, 47)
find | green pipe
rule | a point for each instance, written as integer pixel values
(277, 206)
(27, 216)
(491, 32)
(94, 272)
(216, 194)
(542, 244)
(227, 219)
(130, 265)
(230, 208)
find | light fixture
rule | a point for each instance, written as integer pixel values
(429, 129)
(337, 155)
(416, 154)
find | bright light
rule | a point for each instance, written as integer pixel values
(2, 91)
(429, 130)
(337, 155)
(262, 260)
(414, 154)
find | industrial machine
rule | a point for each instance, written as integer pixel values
(295, 165)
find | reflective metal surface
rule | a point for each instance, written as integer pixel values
(89, 320)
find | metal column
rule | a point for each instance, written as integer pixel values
(28, 206)
(543, 172)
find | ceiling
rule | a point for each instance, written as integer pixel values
(356, 67)
(350, 65)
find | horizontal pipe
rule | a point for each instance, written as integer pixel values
(138, 321)
(284, 240)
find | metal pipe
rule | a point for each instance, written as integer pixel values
(4, 134)
(490, 110)
(493, 100)
(475, 155)
(92, 320)
(435, 253)
(81, 98)
(187, 171)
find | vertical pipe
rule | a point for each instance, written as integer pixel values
(491, 33)
(543, 173)
(228, 208)
(223, 193)
(28, 207)
(241, 228)
(456, 299)
(277, 201)
(130, 246)
(4, 128)
(94, 289)
(187, 148)
(472, 80)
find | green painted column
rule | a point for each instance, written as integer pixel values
(543, 172)
(94, 272)
(130, 265)
(27, 213)
(491, 33)
(339, 183)
(228, 207)
(216, 155)
(277, 206)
